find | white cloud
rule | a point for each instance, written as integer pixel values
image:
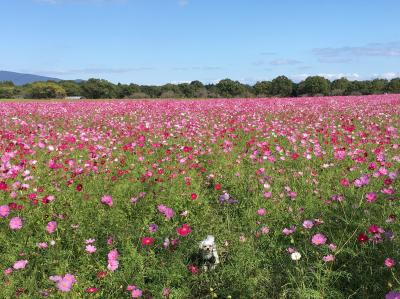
(389, 75)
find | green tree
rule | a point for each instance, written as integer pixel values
(263, 88)
(228, 88)
(281, 86)
(314, 85)
(46, 90)
(394, 85)
(99, 89)
(127, 90)
(6, 84)
(187, 90)
(378, 86)
(171, 91)
(200, 91)
(339, 86)
(151, 90)
(71, 88)
(7, 92)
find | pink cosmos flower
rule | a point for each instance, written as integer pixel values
(308, 224)
(264, 230)
(91, 290)
(332, 247)
(15, 223)
(42, 245)
(166, 292)
(318, 239)
(261, 212)
(4, 211)
(112, 260)
(136, 293)
(20, 264)
(371, 197)
(90, 249)
(168, 212)
(107, 200)
(51, 227)
(8, 271)
(393, 295)
(390, 262)
(66, 283)
(344, 182)
(329, 258)
(267, 194)
(113, 254)
(193, 269)
(289, 231)
(112, 265)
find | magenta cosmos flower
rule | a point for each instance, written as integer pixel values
(371, 197)
(107, 200)
(15, 223)
(318, 239)
(184, 230)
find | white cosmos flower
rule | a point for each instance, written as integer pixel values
(295, 256)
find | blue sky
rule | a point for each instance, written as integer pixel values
(160, 41)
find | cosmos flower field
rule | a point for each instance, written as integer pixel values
(110, 199)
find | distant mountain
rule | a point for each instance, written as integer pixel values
(21, 79)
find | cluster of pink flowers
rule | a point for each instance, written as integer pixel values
(113, 260)
(90, 248)
(168, 212)
(64, 283)
(135, 292)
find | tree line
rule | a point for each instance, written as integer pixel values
(279, 87)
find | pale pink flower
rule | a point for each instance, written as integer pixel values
(112, 265)
(8, 271)
(261, 212)
(90, 249)
(20, 264)
(329, 258)
(308, 224)
(15, 223)
(318, 239)
(42, 245)
(4, 211)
